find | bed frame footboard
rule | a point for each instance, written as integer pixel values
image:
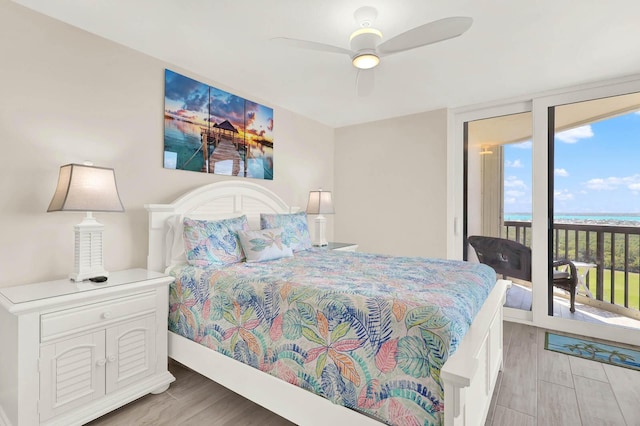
(470, 375)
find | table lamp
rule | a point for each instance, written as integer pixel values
(320, 203)
(84, 187)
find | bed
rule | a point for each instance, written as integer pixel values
(467, 378)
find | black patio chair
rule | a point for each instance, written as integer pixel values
(512, 259)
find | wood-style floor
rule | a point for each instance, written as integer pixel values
(191, 400)
(537, 387)
(545, 388)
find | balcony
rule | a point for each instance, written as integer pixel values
(609, 256)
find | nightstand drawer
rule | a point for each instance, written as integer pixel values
(58, 324)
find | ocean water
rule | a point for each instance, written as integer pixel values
(580, 217)
(181, 141)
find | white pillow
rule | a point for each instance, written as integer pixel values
(263, 245)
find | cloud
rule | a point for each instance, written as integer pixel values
(574, 135)
(516, 164)
(250, 114)
(191, 93)
(599, 184)
(637, 112)
(562, 195)
(523, 145)
(514, 183)
(514, 193)
(196, 102)
(225, 106)
(613, 182)
(256, 132)
(561, 172)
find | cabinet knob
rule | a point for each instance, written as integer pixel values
(111, 358)
(101, 362)
(106, 315)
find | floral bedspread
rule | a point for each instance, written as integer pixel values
(368, 332)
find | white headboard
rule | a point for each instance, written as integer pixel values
(218, 200)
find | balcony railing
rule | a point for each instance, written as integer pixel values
(615, 250)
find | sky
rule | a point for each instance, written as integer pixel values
(596, 170)
(200, 104)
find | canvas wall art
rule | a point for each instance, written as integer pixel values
(212, 131)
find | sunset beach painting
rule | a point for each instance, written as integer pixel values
(212, 131)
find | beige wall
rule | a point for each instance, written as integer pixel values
(69, 96)
(391, 185)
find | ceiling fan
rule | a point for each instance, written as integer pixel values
(367, 49)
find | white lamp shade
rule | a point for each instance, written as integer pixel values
(320, 202)
(86, 188)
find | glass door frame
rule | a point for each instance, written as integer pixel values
(538, 105)
(456, 185)
(542, 219)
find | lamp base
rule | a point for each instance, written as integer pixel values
(88, 256)
(321, 224)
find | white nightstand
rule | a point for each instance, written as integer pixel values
(342, 246)
(72, 352)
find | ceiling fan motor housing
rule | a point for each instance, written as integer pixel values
(365, 39)
(363, 43)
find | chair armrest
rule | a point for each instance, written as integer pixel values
(572, 268)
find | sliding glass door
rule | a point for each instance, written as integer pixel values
(586, 211)
(594, 176)
(568, 187)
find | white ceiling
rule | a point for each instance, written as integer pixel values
(514, 48)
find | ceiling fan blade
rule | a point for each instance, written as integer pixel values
(310, 45)
(433, 32)
(364, 82)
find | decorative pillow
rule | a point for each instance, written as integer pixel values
(263, 245)
(214, 241)
(296, 231)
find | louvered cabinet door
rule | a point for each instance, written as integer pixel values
(72, 373)
(130, 352)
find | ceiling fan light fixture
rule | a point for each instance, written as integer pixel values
(365, 61)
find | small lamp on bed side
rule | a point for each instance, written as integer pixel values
(320, 203)
(89, 189)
